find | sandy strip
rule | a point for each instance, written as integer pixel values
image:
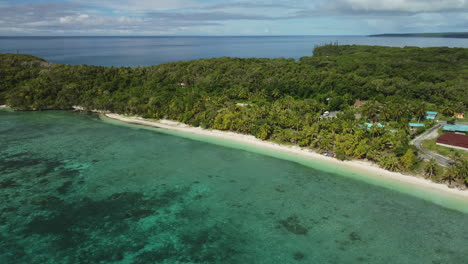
(5, 108)
(355, 165)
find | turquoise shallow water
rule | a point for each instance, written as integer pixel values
(75, 189)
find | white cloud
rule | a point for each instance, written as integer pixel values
(232, 17)
(413, 6)
(74, 19)
(141, 5)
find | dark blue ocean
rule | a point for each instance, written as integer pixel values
(142, 51)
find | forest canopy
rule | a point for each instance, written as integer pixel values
(437, 76)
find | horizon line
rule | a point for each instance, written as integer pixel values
(361, 35)
(255, 35)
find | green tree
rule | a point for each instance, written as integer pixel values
(389, 161)
(459, 167)
(370, 110)
(264, 132)
(409, 159)
(450, 174)
(431, 169)
(420, 111)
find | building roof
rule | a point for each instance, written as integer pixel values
(453, 139)
(431, 113)
(416, 125)
(456, 128)
(369, 125)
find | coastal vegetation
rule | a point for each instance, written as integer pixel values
(273, 99)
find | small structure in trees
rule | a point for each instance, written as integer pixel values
(328, 114)
(431, 115)
(359, 103)
(459, 115)
(369, 125)
(415, 126)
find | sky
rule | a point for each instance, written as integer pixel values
(231, 18)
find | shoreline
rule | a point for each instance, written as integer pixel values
(5, 108)
(358, 166)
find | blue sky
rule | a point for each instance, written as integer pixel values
(221, 17)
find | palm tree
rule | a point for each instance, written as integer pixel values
(276, 93)
(408, 159)
(386, 113)
(459, 107)
(451, 174)
(389, 162)
(370, 109)
(420, 111)
(431, 169)
(398, 111)
(460, 166)
(456, 157)
(447, 110)
(373, 130)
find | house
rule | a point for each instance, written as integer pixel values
(456, 128)
(453, 140)
(431, 115)
(359, 103)
(459, 115)
(369, 125)
(414, 126)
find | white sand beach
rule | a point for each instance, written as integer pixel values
(5, 108)
(355, 165)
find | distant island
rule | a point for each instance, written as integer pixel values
(427, 35)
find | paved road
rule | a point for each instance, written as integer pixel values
(427, 154)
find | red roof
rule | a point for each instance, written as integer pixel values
(454, 139)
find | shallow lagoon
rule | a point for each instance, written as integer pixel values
(75, 189)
